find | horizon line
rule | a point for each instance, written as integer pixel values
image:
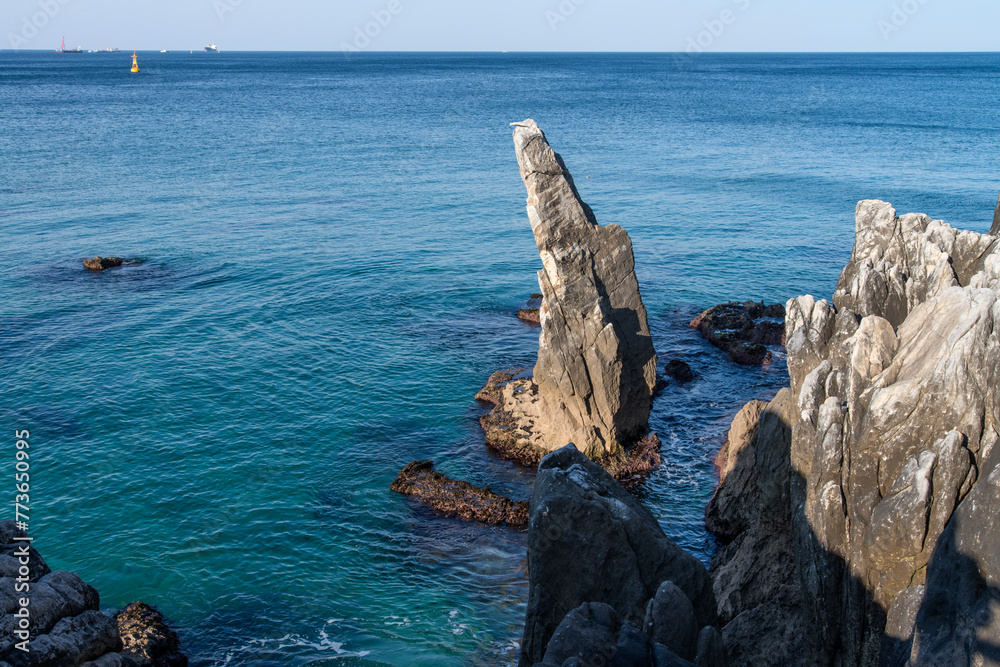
(525, 51)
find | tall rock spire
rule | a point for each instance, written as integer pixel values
(596, 368)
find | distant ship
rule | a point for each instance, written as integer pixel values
(63, 49)
(211, 48)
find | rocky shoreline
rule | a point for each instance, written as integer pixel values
(53, 619)
(859, 507)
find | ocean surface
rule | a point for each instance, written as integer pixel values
(328, 256)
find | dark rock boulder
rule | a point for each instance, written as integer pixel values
(147, 638)
(9, 563)
(72, 641)
(711, 650)
(743, 330)
(458, 498)
(588, 634)
(592, 634)
(101, 263)
(589, 540)
(664, 657)
(670, 621)
(755, 576)
(735, 503)
(679, 370)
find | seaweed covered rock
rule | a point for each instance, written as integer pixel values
(531, 312)
(147, 638)
(101, 263)
(743, 330)
(458, 498)
(593, 381)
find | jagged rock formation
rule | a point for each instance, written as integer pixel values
(743, 330)
(893, 485)
(65, 627)
(590, 541)
(101, 263)
(458, 498)
(596, 368)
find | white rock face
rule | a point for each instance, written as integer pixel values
(898, 405)
(893, 468)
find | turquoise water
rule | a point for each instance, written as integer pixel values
(329, 255)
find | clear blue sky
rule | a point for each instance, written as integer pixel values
(515, 25)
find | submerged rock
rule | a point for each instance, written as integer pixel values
(591, 541)
(101, 263)
(679, 370)
(743, 330)
(458, 498)
(596, 366)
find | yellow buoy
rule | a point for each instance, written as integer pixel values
(135, 63)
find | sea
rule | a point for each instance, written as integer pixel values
(325, 256)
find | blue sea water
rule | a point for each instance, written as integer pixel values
(329, 255)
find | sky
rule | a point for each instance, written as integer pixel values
(512, 25)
